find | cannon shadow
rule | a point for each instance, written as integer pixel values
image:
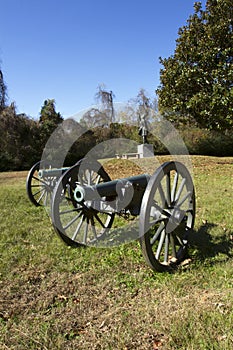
(205, 245)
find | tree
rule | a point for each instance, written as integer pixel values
(2, 92)
(93, 118)
(48, 113)
(19, 147)
(197, 81)
(106, 98)
(49, 120)
(143, 100)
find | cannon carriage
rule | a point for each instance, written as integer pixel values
(85, 205)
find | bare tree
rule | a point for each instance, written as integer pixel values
(106, 99)
(93, 118)
(143, 100)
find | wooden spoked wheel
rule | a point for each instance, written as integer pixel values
(39, 190)
(167, 216)
(78, 223)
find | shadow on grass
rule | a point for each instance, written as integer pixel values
(205, 245)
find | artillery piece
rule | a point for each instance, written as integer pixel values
(85, 203)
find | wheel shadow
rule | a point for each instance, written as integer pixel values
(204, 245)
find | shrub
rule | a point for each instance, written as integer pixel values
(208, 142)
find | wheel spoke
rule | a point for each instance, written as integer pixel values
(40, 190)
(175, 183)
(92, 177)
(78, 227)
(93, 227)
(97, 179)
(180, 190)
(160, 245)
(41, 196)
(158, 232)
(88, 177)
(99, 220)
(162, 195)
(188, 194)
(156, 221)
(86, 232)
(46, 198)
(166, 249)
(66, 198)
(168, 188)
(190, 217)
(70, 211)
(173, 246)
(72, 221)
(179, 241)
(40, 180)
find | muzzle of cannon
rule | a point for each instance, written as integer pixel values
(85, 203)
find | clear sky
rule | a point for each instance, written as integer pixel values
(63, 49)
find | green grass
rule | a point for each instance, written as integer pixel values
(56, 297)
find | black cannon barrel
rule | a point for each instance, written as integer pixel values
(111, 188)
(53, 172)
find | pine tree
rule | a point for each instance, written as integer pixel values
(2, 92)
(49, 119)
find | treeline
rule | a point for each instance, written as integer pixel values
(195, 95)
(23, 139)
(20, 144)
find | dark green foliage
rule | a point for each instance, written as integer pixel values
(80, 147)
(208, 142)
(2, 92)
(197, 81)
(19, 140)
(23, 139)
(49, 120)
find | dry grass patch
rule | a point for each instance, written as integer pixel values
(49, 310)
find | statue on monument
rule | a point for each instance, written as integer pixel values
(143, 128)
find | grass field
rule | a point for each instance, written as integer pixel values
(56, 297)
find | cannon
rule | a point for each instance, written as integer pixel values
(86, 202)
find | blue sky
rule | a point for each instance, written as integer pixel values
(63, 49)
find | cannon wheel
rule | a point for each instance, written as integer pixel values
(39, 190)
(74, 222)
(167, 216)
